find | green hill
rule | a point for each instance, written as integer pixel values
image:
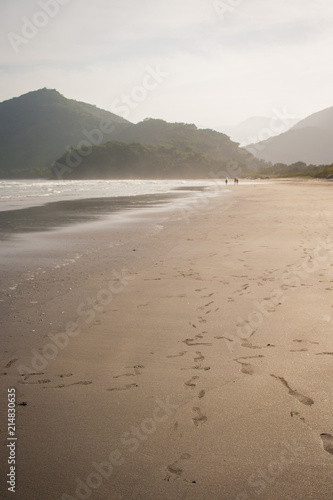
(182, 135)
(42, 126)
(36, 128)
(157, 149)
(121, 160)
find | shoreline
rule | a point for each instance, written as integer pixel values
(23, 194)
(200, 366)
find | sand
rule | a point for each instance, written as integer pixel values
(190, 358)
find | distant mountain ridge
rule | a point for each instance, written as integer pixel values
(254, 129)
(37, 127)
(309, 141)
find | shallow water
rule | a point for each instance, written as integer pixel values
(17, 194)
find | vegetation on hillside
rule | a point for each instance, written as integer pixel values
(119, 160)
(182, 135)
(298, 169)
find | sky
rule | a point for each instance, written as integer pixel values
(207, 62)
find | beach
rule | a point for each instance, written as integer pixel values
(188, 356)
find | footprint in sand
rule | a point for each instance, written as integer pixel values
(300, 397)
(297, 415)
(11, 362)
(175, 470)
(225, 338)
(177, 355)
(299, 341)
(128, 386)
(190, 383)
(88, 382)
(327, 440)
(199, 417)
(26, 381)
(247, 368)
(324, 354)
(43, 381)
(201, 394)
(137, 371)
(27, 375)
(61, 386)
(249, 345)
(199, 357)
(190, 342)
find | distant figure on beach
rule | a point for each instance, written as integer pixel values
(226, 180)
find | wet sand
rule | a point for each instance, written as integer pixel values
(64, 213)
(186, 358)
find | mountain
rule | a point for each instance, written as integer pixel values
(158, 149)
(36, 128)
(309, 141)
(247, 131)
(43, 134)
(254, 129)
(154, 131)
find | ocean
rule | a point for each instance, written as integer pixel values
(19, 194)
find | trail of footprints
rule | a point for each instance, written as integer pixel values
(29, 379)
(137, 370)
(198, 418)
(247, 368)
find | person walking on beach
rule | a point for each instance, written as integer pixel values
(226, 180)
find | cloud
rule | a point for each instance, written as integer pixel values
(262, 54)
